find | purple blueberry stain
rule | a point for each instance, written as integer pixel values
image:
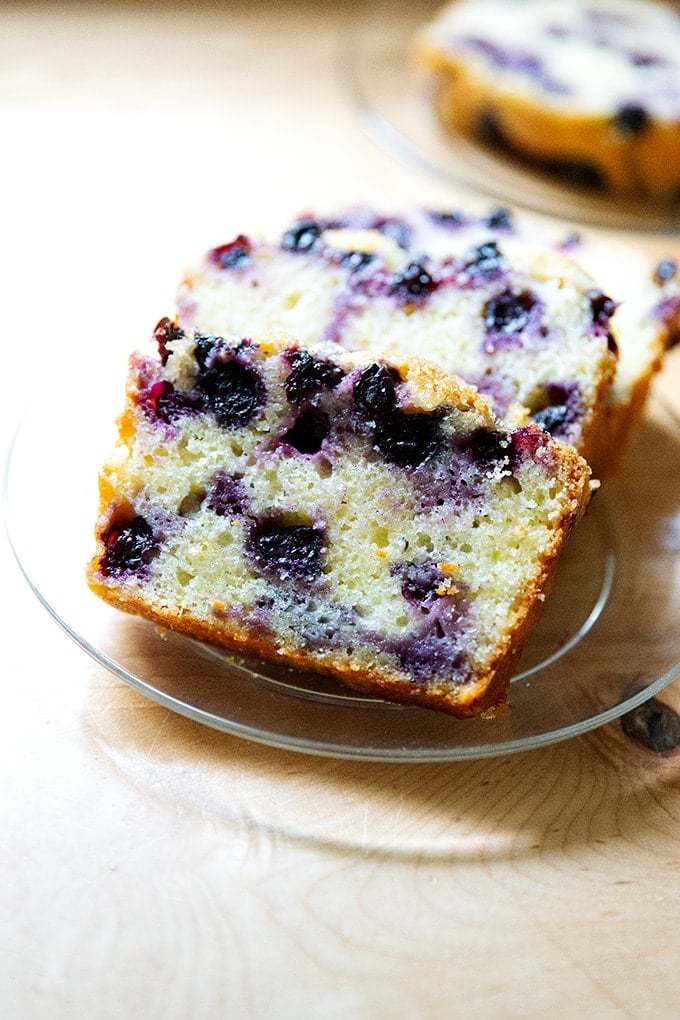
(667, 311)
(557, 407)
(437, 647)
(287, 552)
(520, 61)
(570, 242)
(642, 59)
(419, 581)
(128, 547)
(226, 496)
(355, 261)
(527, 442)
(429, 654)
(166, 403)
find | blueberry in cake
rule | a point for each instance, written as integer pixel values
(527, 327)
(359, 515)
(587, 90)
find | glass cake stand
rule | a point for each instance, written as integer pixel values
(609, 638)
(392, 101)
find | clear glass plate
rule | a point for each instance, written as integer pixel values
(609, 638)
(392, 100)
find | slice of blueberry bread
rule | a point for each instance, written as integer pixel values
(345, 513)
(587, 90)
(528, 327)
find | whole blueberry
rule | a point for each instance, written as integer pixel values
(413, 282)
(357, 260)
(231, 391)
(308, 375)
(408, 440)
(508, 312)
(302, 236)
(374, 390)
(288, 551)
(486, 258)
(128, 547)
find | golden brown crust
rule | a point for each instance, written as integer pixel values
(486, 693)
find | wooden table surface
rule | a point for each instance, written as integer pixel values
(152, 867)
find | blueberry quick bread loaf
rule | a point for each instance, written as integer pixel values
(361, 516)
(586, 89)
(528, 327)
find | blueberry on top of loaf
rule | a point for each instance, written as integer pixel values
(589, 89)
(528, 327)
(363, 516)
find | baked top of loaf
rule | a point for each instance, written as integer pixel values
(586, 90)
(526, 326)
(602, 58)
(356, 515)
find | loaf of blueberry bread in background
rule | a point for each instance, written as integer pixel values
(366, 517)
(494, 297)
(587, 90)
(527, 327)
